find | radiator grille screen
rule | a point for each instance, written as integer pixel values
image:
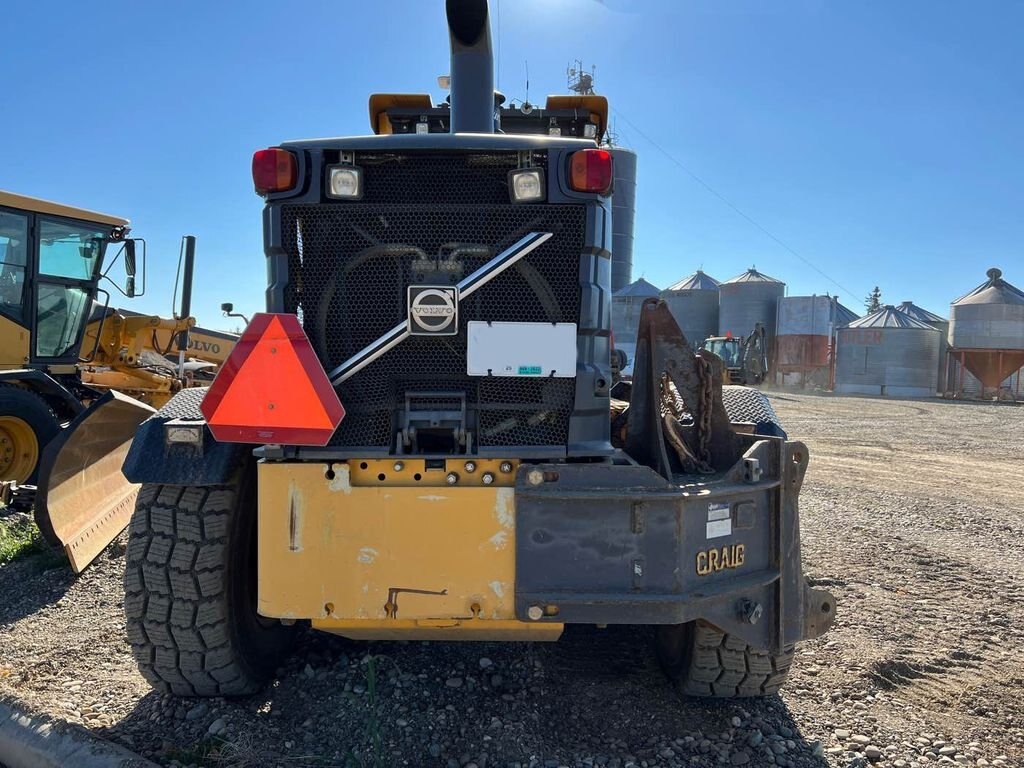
(350, 265)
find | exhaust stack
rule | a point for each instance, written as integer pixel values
(472, 67)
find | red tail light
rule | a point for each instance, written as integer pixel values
(273, 170)
(272, 388)
(590, 170)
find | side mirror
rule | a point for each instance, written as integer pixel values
(227, 307)
(129, 268)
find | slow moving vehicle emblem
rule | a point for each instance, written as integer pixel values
(433, 310)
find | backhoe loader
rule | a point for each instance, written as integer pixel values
(414, 441)
(745, 358)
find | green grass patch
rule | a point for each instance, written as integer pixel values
(19, 538)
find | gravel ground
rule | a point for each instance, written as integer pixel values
(911, 514)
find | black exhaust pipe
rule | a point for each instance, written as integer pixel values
(472, 68)
(186, 299)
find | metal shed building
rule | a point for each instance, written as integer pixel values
(887, 353)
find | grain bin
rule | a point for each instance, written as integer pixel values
(966, 384)
(805, 343)
(694, 304)
(887, 353)
(623, 214)
(747, 300)
(939, 323)
(626, 304)
(986, 331)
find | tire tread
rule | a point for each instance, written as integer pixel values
(721, 665)
(176, 603)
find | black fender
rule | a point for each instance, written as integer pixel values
(152, 459)
(51, 390)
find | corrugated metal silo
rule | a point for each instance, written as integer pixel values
(966, 383)
(746, 300)
(986, 330)
(887, 353)
(805, 342)
(694, 304)
(939, 323)
(626, 304)
(623, 214)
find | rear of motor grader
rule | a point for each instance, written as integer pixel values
(415, 440)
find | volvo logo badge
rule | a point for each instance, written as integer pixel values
(433, 310)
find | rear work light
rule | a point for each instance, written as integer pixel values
(590, 170)
(345, 182)
(272, 389)
(526, 185)
(273, 170)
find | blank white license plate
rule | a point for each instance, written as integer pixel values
(521, 349)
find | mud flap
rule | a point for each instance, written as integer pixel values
(84, 500)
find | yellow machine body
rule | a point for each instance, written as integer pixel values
(38, 205)
(203, 344)
(14, 344)
(370, 552)
(121, 354)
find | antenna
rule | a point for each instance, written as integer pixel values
(526, 107)
(578, 79)
(611, 136)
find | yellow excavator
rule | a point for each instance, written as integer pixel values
(63, 352)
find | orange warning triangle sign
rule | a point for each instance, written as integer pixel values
(272, 388)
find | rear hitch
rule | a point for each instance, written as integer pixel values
(819, 611)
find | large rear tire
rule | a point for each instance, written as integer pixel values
(704, 661)
(190, 591)
(27, 424)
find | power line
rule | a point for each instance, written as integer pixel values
(729, 203)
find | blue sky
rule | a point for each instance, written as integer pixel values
(883, 142)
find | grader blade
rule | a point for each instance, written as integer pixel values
(84, 501)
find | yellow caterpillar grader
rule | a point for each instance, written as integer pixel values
(62, 352)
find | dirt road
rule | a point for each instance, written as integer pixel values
(912, 512)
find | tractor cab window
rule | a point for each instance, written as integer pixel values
(69, 254)
(725, 349)
(13, 258)
(60, 313)
(69, 250)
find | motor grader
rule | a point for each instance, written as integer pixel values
(65, 354)
(415, 440)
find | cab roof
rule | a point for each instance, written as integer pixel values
(37, 205)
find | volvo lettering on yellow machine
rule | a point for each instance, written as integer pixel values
(414, 441)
